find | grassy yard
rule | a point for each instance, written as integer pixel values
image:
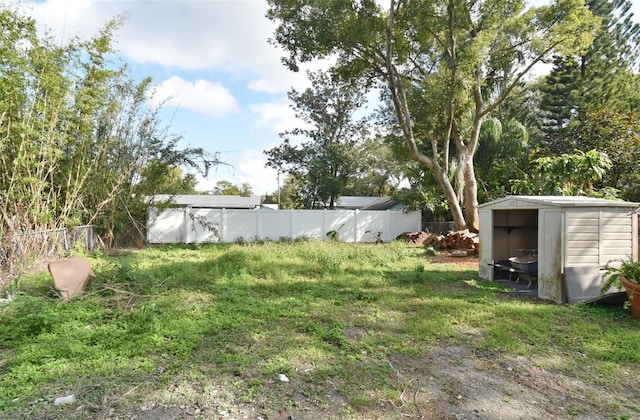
(205, 331)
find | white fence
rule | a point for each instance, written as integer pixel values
(191, 225)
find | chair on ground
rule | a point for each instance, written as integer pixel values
(70, 276)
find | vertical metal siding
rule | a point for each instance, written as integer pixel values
(594, 237)
(486, 244)
(550, 239)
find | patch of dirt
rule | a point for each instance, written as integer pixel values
(470, 261)
(454, 381)
(464, 384)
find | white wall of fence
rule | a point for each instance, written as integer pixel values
(191, 225)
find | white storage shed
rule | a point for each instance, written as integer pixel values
(569, 238)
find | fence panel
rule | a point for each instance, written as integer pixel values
(212, 225)
(166, 226)
(307, 224)
(275, 225)
(341, 221)
(239, 224)
(369, 223)
(84, 237)
(203, 225)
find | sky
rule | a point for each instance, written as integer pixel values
(225, 86)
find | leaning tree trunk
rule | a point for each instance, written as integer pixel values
(403, 114)
(470, 194)
(452, 198)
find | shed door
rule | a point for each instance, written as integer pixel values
(593, 237)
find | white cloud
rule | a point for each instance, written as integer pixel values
(195, 35)
(68, 18)
(268, 86)
(262, 180)
(277, 115)
(202, 96)
(190, 35)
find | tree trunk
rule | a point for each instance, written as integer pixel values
(470, 194)
(403, 114)
(452, 199)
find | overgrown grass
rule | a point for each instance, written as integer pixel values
(166, 318)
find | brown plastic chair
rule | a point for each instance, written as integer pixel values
(70, 276)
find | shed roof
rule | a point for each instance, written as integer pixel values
(536, 201)
(210, 201)
(384, 203)
(354, 202)
(367, 203)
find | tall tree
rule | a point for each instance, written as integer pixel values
(602, 76)
(557, 101)
(437, 59)
(161, 178)
(228, 188)
(503, 155)
(377, 173)
(325, 163)
(287, 196)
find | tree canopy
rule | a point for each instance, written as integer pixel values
(566, 174)
(600, 76)
(445, 65)
(228, 188)
(326, 161)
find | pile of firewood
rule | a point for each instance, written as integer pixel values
(461, 240)
(458, 240)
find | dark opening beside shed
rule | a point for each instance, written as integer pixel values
(559, 242)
